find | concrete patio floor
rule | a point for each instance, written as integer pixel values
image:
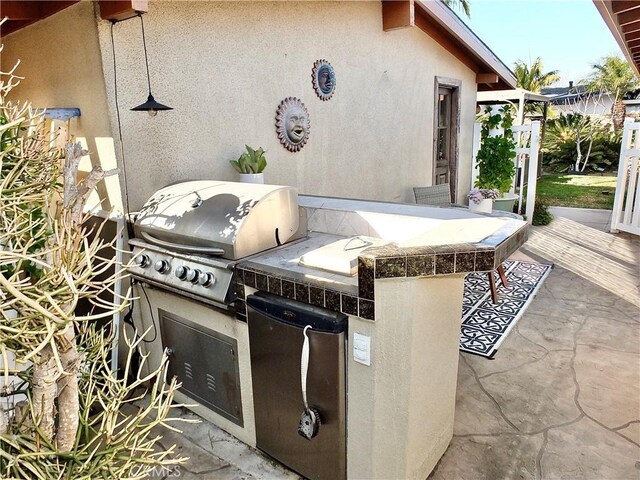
(561, 398)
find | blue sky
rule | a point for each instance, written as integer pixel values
(569, 35)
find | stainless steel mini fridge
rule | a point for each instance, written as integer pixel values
(276, 339)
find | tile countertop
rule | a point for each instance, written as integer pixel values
(284, 262)
(426, 230)
(425, 241)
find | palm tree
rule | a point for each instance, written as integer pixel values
(532, 77)
(614, 76)
(461, 4)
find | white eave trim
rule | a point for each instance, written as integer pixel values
(447, 19)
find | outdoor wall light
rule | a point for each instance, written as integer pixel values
(150, 106)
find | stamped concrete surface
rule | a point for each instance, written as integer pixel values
(561, 398)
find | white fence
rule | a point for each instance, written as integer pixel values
(527, 140)
(626, 205)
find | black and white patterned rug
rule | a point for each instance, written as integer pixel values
(485, 325)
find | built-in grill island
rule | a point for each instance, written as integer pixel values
(188, 240)
(396, 272)
(189, 235)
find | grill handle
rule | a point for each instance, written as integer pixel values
(182, 248)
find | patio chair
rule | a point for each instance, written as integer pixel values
(440, 195)
(437, 195)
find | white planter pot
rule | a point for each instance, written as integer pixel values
(505, 203)
(252, 177)
(485, 206)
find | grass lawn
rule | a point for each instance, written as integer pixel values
(580, 191)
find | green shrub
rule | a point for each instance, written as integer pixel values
(541, 213)
(561, 135)
(495, 157)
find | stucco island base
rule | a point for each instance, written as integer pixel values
(400, 409)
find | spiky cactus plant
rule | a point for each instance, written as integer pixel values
(65, 415)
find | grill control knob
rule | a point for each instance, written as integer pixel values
(207, 279)
(142, 260)
(193, 275)
(182, 272)
(162, 266)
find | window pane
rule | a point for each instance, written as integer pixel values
(443, 110)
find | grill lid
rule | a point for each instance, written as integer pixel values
(226, 219)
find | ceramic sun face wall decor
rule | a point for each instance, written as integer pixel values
(292, 124)
(323, 78)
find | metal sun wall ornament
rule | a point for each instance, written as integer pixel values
(323, 78)
(292, 124)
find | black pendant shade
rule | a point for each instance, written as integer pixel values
(150, 106)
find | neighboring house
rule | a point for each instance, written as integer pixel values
(576, 99)
(225, 67)
(632, 103)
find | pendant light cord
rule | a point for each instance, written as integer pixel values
(124, 166)
(146, 59)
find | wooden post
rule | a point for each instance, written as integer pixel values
(397, 14)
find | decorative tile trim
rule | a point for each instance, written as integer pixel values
(288, 289)
(366, 277)
(309, 293)
(379, 263)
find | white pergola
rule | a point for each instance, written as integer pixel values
(518, 96)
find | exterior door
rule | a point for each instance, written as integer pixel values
(444, 167)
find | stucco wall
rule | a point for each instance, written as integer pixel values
(400, 409)
(62, 67)
(225, 67)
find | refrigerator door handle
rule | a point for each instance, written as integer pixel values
(310, 419)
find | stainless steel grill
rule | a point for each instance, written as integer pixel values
(190, 235)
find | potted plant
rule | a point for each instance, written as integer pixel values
(481, 199)
(495, 157)
(250, 165)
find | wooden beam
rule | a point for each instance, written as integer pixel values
(49, 8)
(631, 27)
(433, 30)
(20, 10)
(487, 78)
(23, 13)
(623, 5)
(11, 26)
(397, 14)
(627, 17)
(633, 43)
(121, 9)
(632, 36)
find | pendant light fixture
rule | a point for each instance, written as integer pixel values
(150, 106)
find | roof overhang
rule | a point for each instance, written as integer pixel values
(623, 19)
(434, 17)
(20, 14)
(445, 27)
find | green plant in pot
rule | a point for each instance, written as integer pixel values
(495, 157)
(250, 165)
